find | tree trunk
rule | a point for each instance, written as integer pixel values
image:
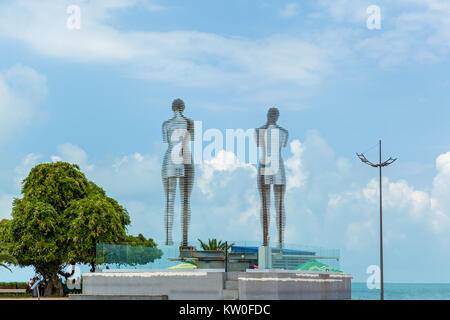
(66, 274)
(54, 286)
(92, 266)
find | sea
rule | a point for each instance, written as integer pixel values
(403, 291)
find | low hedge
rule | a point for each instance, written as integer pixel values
(13, 285)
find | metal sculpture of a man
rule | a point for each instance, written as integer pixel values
(178, 166)
(270, 138)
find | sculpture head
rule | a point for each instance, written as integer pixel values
(273, 115)
(178, 105)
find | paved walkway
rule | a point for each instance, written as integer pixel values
(18, 298)
(6, 291)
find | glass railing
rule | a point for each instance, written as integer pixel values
(290, 257)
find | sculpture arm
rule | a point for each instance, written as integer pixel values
(191, 129)
(259, 136)
(165, 133)
(286, 137)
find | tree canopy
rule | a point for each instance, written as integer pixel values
(60, 219)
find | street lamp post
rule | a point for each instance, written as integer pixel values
(380, 166)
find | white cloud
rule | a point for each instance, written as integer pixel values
(296, 177)
(184, 58)
(23, 169)
(128, 176)
(228, 204)
(290, 10)
(353, 11)
(402, 196)
(227, 162)
(442, 182)
(131, 176)
(22, 89)
(399, 195)
(20, 172)
(224, 162)
(73, 154)
(393, 45)
(440, 201)
(405, 203)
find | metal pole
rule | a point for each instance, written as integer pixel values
(381, 229)
(226, 256)
(380, 165)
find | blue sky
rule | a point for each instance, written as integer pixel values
(97, 97)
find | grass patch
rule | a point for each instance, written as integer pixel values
(17, 296)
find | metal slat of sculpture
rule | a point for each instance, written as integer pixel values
(178, 166)
(270, 138)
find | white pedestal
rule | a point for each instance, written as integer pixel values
(264, 257)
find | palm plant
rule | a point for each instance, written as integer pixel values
(7, 259)
(214, 245)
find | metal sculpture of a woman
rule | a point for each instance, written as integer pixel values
(178, 166)
(270, 138)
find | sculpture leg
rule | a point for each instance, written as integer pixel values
(264, 192)
(279, 192)
(170, 187)
(186, 184)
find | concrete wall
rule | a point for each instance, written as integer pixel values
(176, 284)
(84, 297)
(209, 285)
(291, 285)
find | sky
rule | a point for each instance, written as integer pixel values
(97, 96)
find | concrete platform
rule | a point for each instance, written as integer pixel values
(85, 297)
(216, 284)
(13, 291)
(270, 285)
(176, 284)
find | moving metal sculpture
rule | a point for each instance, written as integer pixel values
(178, 166)
(270, 138)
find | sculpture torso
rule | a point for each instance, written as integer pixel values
(177, 132)
(271, 138)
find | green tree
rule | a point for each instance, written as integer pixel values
(5, 235)
(213, 244)
(5, 257)
(92, 220)
(59, 220)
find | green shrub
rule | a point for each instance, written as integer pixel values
(13, 285)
